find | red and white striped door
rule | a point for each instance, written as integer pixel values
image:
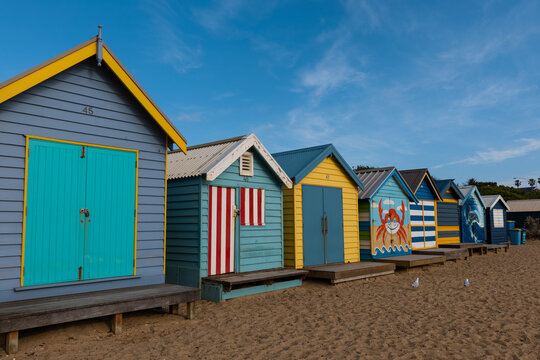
(221, 202)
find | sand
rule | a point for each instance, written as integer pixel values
(497, 317)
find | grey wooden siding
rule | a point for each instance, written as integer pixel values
(53, 109)
(447, 214)
(183, 231)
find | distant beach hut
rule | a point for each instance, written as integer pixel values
(448, 214)
(473, 220)
(321, 209)
(384, 213)
(496, 208)
(423, 212)
(520, 210)
(225, 219)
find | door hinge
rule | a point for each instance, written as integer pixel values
(135, 164)
(135, 212)
(26, 210)
(80, 272)
(82, 153)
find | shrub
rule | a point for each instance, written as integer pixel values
(532, 226)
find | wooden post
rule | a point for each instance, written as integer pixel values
(12, 342)
(190, 310)
(116, 325)
(174, 309)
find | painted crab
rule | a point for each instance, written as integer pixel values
(392, 223)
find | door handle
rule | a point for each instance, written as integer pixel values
(326, 224)
(85, 212)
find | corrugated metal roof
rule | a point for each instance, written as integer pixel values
(531, 205)
(372, 180)
(465, 190)
(490, 200)
(199, 158)
(413, 177)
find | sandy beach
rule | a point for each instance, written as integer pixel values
(497, 317)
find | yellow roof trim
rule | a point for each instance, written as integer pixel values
(50, 68)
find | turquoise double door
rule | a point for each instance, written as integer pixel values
(80, 212)
(322, 216)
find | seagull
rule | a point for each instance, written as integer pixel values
(466, 283)
(415, 283)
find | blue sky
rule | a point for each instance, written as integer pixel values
(448, 85)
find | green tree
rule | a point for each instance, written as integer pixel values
(363, 167)
(518, 183)
(532, 182)
(471, 181)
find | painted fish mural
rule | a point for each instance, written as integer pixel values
(472, 216)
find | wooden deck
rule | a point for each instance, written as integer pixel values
(253, 278)
(469, 246)
(449, 253)
(338, 273)
(414, 260)
(497, 247)
(27, 314)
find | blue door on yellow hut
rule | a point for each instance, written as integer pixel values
(80, 212)
(322, 225)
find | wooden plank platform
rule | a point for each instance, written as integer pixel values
(414, 260)
(497, 247)
(470, 246)
(252, 278)
(338, 273)
(27, 314)
(449, 253)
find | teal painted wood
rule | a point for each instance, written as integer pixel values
(184, 211)
(312, 218)
(110, 199)
(53, 109)
(54, 232)
(256, 245)
(214, 292)
(333, 211)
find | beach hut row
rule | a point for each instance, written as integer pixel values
(100, 216)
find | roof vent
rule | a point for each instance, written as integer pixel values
(246, 164)
(99, 44)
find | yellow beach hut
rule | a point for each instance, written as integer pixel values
(321, 210)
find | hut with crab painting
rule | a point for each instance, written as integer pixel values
(384, 213)
(225, 220)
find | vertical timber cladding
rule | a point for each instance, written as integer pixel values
(330, 174)
(80, 212)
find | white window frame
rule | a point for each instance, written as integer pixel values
(498, 218)
(244, 172)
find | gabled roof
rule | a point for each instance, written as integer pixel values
(530, 205)
(468, 191)
(56, 65)
(444, 185)
(491, 200)
(374, 179)
(299, 163)
(212, 159)
(414, 178)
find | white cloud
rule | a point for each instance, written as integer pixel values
(494, 156)
(389, 202)
(335, 70)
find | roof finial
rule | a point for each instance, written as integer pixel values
(99, 44)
